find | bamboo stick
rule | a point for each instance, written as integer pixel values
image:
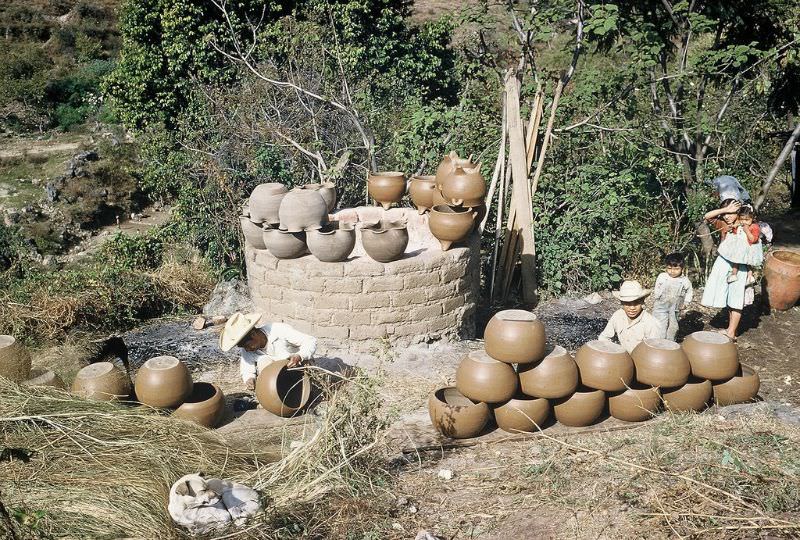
(501, 157)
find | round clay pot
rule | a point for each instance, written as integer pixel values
(522, 414)
(421, 191)
(554, 377)
(741, 388)
(163, 381)
(515, 336)
(284, 244)
(282, 391)
(455, 415)
(449, 163)
(44, 377)
(328, 192)
(265, 200)
(712, 355)
(692, 396)
(636, 404)
(449, 224)
(437, 199)
(102, 381)
(204, 406)
(464, 187)
(385, 241)
(332, 243)
(582, 408)
(253, 233)
(482, 378)
(302, 210)
(782, 278)
(661, 362)
(604, 365)
(387, 187)
(15, 359)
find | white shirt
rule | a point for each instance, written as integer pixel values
(672, 292)
(631, 332)
(282, 342)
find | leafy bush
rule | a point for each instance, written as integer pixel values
(142, 252)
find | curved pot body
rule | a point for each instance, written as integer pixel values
(437, 199)
(522, 414)
(450, 225)
(265, 200)
(515, 336)
(581, 408)
(328, 192)
(385, 242)
(332, 243)
(15, 359)
(464, 187)
(782, 277)
(455, 415)
(42, 377)
(163, 381)
(554, 377)
(741, 388)
(387, 187)
(636, 404)
(450, 163)
(302, 210)
(482, 378)
(282, 391)
(421, 191)
(284, 244)
(711, 355)
(253, 233)
(204, 406)
(661, 362)
(605, 366)
(102, 381)
(692, 396)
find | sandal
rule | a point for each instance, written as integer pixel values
(725, 333)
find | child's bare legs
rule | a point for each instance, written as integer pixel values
(732, 276)
(734, 318)
(750, 278)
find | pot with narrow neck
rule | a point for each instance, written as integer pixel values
(281, 390)
(384, 241)
(302, 210)
(332, 243)
(456, 416)
(464, 187)
(264, 202)
(328, 192)
(515, 336)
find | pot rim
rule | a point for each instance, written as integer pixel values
(390, 174)
(438, 395)
(455, 210)
(783, 254)
(427, 178)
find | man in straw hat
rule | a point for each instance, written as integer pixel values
(631, 324)
(265, 344)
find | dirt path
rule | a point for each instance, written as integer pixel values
(40, 148)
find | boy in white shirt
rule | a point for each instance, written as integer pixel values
(631, 324)
(673, 290)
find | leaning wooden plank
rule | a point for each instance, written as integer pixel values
(532, 133)
(498, 168)
(548, 133)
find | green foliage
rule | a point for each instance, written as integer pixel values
(142, 252)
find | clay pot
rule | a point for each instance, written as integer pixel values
(741, 388)
(265, 200)
(455, 415)
(163, 381)
(660, 362)
(636, 404)
(522, 414)
(15, 359)
(332, 243)
(385, 241)
(387, 187)
(102, 381)
(421, 191)
(464, 187)
(302, 210)
(44, 377)
(284, 244)
(712, 355)
(449, 163)
(692, 396)
(604, 365)
(282, 391)
(328, 192)
(554, 377)
(204, 406)
(515, 336)
(437, 199)
(482, 378)
(582, 408)
(450, 224)
(782, 278)
(480, 213)
(253, 233)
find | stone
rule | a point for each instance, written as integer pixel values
(332, 301)
(227, 298)
(421, 279)
(374, 300)
(345, 285)
(199, 323)
(383, 284)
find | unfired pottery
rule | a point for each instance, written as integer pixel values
(782, 278)
(582, 408)
(328, 192)
(284, 244)
(421, 191)
(522, 414)
(437, 199)
(661, 362)
(302, 210)
(741, 388)
(282, 391)
(712, 355)
(44, 377)
(265, 200)
(455, 415)
(102, 381)
(692, 396)
(385, 241)
(464, 187)
(482, 378)
(332, 243)
(204, 406)
(450, 225)
(638, 403)
(449, 163)
(15, 359)
(387, 187)
(554, 377)
(163, 381)
(515, 336)
(253, 233)
(604, 365)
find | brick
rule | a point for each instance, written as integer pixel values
(351, 318)
(372, 300)
(374, 331)
(453, 272)
(404, 266)
(277, 278)
(264, 258)
(393, 315)
(383, 283)
(451, 304)
(421, 279)
(348, 285)
(321, 315)
(331, 332)
(443, 322)
(435, 263)
(305, 283)
(299, 324)
(270, 292)
(324, 269)
(441, 292)
(332, 301)
(301, 299)
(407, 298)
(282, 309)
(410, 329)
(459, 254)
(263, 305)
(363, 266)
(298, 264)
(426, 312)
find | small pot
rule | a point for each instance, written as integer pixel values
(661, 362)
(712, 355)
(450, 225)
(449, 163)
(328, 192)
(332, 243)
(253, 233)
(692, 396)
(302, 210)
(782, 278)
(421, 191)
(522, 414)
(554, 377)
(15, 359)
(387, 187)
(482, 378)
(515, 336)
(164, 382)
(464, 187)
(285, 245)
(455, 415)
(385, 241)
(741, 388)
(265, 200)
(281, 390)
(102, 381)
(636, 404)
(604, 365)
(44, 377)
(204, 406)
(581, 408)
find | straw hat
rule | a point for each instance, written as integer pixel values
(236, 328)
(630, 291)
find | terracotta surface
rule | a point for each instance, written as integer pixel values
(482, 378)
(582, 408)
(285, 245)
(782, 278)
(437, 199)
(302, 210)
(450, 225)
(163, 381)
(741, 388)
(385, 241)
(15, 359)
(332, 243)
(660, 362)
(282, 391)
(515, 336)
(265, 200)
(456, 416)
(464, 187)
(556, 376)
(102, 381)
(692, 396)
(421, 191)
(449, 163)
(636, 404)
(42, 377)
(387, 187)
(712, 355)
(522, 414)
(204, 406)
(253, 233)
(605, 366)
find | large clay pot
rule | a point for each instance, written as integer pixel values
(385, 241)
(253, 233)
(464, 187)
(449, 163)
(284, 244)
(15, 359)
(712, 355)
(281, 390)
(265, 200)
(204, 406)
(387, 187)
(449, 224)
(302, 210)
(636, 404)
(455, 415)
(102, 381)
(163, 381)
(741, 388)
(515, 336)
(328, 192)
(554, 377)
(692, 396)
(582, 408)
(522, 414)
(782, 278)
(44, 377)
(332, 243)
(604, 365)
(437, 199)
(421, 191)
(482, 378)
(661, 362)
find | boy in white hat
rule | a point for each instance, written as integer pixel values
(631, 324)
(265, 344)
